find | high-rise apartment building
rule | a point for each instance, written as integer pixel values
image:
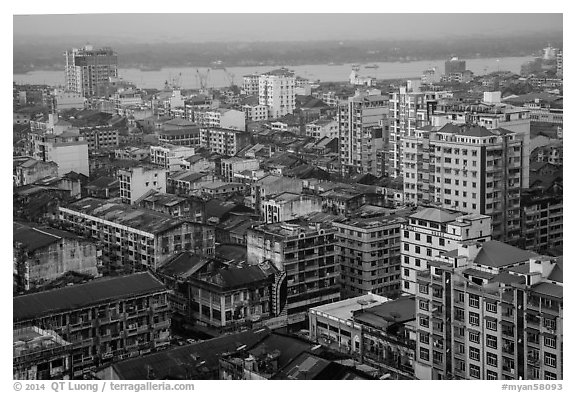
(409, 110)
(468, 168)
(88, 68)
(490, 311)
(307, 254)
(432, 231)
(369, 255)
(276, 90)
(454, 65)
(491, 114)
(250, 84)
(360, 132)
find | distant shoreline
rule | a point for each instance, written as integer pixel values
(20, 71)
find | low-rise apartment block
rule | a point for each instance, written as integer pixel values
(137, 181)
(132, 238)
(28, 170)
(288, 206)
(223, 141)
(40, 354)
(170, 157)
(45, 254)
(231, 166)
(104, 320)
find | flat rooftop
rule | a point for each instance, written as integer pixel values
(344, 309)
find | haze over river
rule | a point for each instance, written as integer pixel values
(217, 78)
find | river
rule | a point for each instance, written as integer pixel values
(188, 76)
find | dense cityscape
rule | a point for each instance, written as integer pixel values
(287, 228)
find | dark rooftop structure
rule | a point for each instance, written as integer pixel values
(84, 295)
(195, 361)
(497, 254)
(385, 315)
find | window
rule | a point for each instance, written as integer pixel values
(549, 359)
(459, 297)
(491, 324)
(424, 321)
(406, 272)
(424, 354)
(474, 353)
(491, 307)
(474, 301)
(548, 375)
(492, 359)
(417, 236)
(406, 247)
(474, 371)
(474, 337)
(550, 342)
(491, 375)
(417, 249)
(417, 262)
(423, 288)
(424, 338)
(406, 285)
(406, 234)
(458, 314)
(441, 241)
(423, 304)
(437, 357)
(491, 341)
(429, 239)
(429, 252)
(474, 319)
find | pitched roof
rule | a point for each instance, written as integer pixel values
(177, 363)
(33, 238)
(435, 214)
(98, 291)
(498, 254)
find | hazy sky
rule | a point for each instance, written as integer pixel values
(282, 27)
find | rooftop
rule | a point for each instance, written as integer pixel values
(373, 222)
(497, 254)
(344, 309)
(33, 238)
(74, 297)
(180, 362)
(435, 215)
(130, 216)
(401, 310)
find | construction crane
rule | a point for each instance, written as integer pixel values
(230, 77)
(202, 78)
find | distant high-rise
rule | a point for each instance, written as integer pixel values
(276, 91)
(454, 65)
(88, 68)
(361, 120)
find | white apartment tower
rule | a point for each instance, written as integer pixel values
(409, 110)
(360, 132)
(88, 68)
(467, 168)
(276, 91)
(432, 231)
